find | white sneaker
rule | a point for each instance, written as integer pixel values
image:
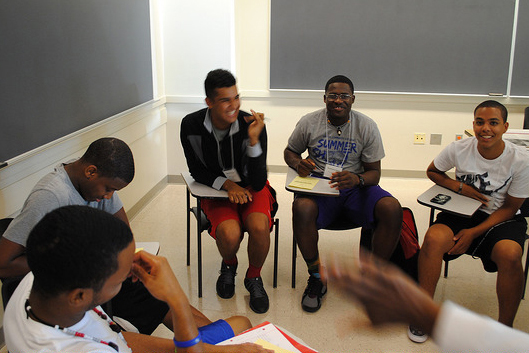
(416, 335)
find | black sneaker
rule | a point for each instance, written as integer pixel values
(416, 335)
(226, 281)
(258, 297)
(314, 292)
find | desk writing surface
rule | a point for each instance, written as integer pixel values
(458, 204)
(152, 247)
(321, 188)
(200, 190)
(519, 137)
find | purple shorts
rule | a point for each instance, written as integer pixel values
(358, 205)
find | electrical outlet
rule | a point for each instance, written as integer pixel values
(459, 137)
(419, 138)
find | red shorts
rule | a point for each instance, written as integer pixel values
(218, 211)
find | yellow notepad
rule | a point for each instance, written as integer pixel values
(271, 346)
(304, 182)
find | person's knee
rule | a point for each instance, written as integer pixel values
(507, 255)
(257, 224)
(388, 209)
(239, 323)
(229, 234)
(438, 239)
(304, 209)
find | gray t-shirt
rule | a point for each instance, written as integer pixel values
(360, 141)
(54, 190)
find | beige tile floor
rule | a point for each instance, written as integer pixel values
(340, 325)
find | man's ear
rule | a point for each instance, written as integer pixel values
(209, 102)
(90, 171)
(81, 297)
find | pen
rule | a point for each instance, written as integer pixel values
(318, 175)
(265, 118)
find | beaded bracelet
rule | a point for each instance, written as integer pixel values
(190, 343)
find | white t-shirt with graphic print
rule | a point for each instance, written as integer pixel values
(495, 178)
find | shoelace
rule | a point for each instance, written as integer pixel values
(227, 275)
(255, 287)
(314, 286)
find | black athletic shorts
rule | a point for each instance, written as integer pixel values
(513, 229)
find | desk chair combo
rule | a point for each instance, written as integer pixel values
(343, 223)
(462, 206)
(201, 191)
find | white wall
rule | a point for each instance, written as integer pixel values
(198, 37)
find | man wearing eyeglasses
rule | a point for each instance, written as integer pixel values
(345, 147)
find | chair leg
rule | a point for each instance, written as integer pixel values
(189, 210)
(446, 268)
(294, 255)
(276, 246)
(525, 274)
(199, 246)
(432, 213)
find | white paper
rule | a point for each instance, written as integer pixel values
(268, 332)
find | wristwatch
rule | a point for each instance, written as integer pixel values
(362, 181)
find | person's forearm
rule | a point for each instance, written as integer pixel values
(498, 216)
(16, 267)
(229, 185)
(184, 325)
(122, 215)
(183, 320)
(292, 159)
(140, 343)
(442, 179)
(371, 177)
(200, 319)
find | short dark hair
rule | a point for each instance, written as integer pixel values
(218, 78)
(341, 79)
(493, 104)
(75, 247)
(112, 157)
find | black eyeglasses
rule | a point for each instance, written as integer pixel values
(333, 96)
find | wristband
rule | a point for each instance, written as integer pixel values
(190, 343)
(460, 188)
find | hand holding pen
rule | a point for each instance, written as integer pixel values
(305, 166)
(256, 126)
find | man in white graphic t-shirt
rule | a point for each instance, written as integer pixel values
(495, 172)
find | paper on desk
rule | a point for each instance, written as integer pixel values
(268, 333)
(304, 182)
